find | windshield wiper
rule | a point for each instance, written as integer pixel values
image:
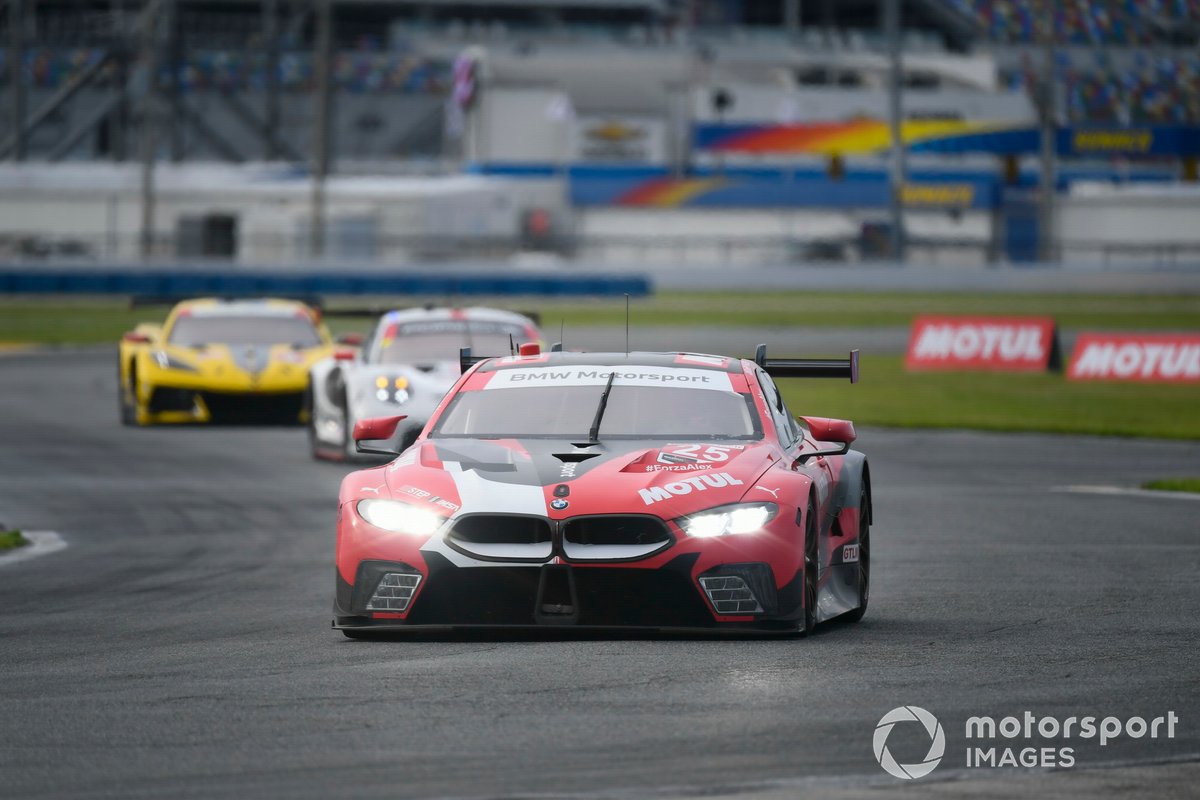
(594, 433)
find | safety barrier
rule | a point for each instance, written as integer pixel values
(183, 281)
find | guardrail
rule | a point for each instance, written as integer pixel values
(226, 280)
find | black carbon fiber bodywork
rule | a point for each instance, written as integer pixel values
(607, 596)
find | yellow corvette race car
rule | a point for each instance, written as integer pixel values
(223, 361)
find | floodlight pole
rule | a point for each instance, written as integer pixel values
(149, 123)
(1046, 113)
(322, 64)
(16, 75)
(791, 18)
(271, 34)
(174, 49)
(897, 169)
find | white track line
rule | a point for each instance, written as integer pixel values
(1121, 491)
(40, 544)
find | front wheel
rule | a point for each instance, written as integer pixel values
(810, 570)
(314, 446)
(349, 448)
(126, 399)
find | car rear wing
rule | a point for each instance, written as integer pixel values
(466, 360)
(808, 367)
(379, 311)
(357, 311)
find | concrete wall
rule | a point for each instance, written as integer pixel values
(716, 236)
(96, 210)
(1130, 224)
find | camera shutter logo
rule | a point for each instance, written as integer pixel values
(937, 742)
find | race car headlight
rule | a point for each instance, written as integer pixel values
(168, 361)
(399, 517)
(394, 390)
(740, 518)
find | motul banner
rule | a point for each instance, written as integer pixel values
(1005, 344)
(1173, 357)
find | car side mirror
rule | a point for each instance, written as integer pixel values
(351, 339)
(369, 432)
(825, 429)
(133, 337)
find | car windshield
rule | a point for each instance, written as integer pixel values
(194, 331)
(632, 412)
(440, 340)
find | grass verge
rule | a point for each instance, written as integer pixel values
(1174, 485)
(11, 539)
(89, 321)
(888, 395)
(867, 309)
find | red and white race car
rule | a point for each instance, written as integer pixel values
(655, 490)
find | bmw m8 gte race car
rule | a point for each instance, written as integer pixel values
(404, 367)
(223, 361)
(642, 490)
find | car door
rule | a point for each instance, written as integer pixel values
(797, 445)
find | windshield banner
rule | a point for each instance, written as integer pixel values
(595, 375)
(1001, 344)
(1171, 357)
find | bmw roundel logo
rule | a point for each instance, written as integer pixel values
(558, 504)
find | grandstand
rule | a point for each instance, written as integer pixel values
(775, 108)
(1127, 23)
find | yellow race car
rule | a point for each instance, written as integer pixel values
(222, 361)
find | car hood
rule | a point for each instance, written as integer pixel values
(250, 359)
(560, 478)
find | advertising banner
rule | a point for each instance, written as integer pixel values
(1170, 357)
(1004, 344)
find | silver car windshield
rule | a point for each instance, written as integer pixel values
(632, 412)
(428, 342)
(193, 331)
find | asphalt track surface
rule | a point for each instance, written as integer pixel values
(180, 645)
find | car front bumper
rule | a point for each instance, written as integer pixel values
(183, 405)
(670, 596)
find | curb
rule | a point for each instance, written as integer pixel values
(40, 543)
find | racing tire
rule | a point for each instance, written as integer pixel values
(811, 564)
(864, 558)
(128, 410)
(311, 427)
(350, 451)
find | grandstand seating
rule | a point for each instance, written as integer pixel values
(1137, 88)
(1112, 69)
(1082, 22)
(355, 71)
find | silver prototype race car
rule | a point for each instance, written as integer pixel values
(405, 366)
